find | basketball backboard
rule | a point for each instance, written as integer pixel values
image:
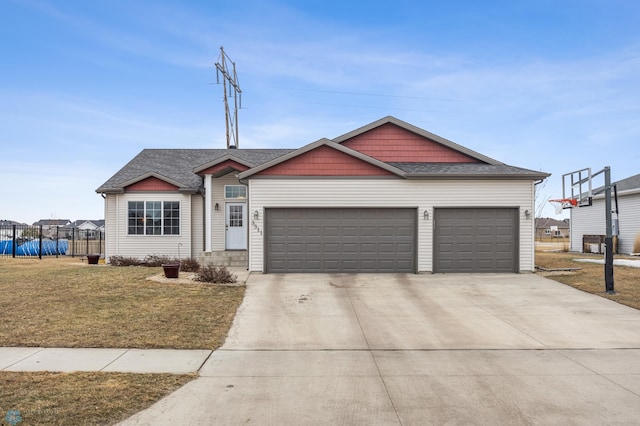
(578, 186)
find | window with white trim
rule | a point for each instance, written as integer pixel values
(153, 218)
(235, 192)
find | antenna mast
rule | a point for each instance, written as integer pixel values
(231, 90)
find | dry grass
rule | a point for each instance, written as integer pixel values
(66, 303)
(82, 398)
(591, 277)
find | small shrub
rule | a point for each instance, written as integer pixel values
(124, 261)
(565, 247)
(215, 274)
(189, 265)
(154, 260)
(636, 244)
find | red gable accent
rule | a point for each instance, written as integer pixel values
(324, 161)
(390, 143)
(151, 184)
(229, 163)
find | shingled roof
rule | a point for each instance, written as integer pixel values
(178, 165)
(467, 170)
(629, 183)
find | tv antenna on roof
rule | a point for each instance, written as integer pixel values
(227, 68)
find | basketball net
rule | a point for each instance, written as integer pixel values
(563, 203)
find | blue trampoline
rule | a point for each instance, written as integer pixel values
(49, 248)
(6, 247)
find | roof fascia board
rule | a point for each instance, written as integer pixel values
(475, 176)
(419, 131)
(317, 144)
(222, 159)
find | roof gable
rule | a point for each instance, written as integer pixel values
(392, 143)
(151, 183)
(223, 168)
(324, 158)
(393, 140)
(217, 164)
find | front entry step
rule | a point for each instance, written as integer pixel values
(234, 258)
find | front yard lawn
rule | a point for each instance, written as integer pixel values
(66, 303)
(591, 277)
(45, 398)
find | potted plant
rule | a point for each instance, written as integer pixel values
(172, 269)
(92, 259)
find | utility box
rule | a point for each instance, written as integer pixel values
(593, 244)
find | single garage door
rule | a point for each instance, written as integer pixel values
(476, 240)
(340, 240)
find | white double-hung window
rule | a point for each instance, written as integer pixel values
(153, 218)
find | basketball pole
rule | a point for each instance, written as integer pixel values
(608, 240)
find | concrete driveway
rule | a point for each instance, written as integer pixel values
(413, 350)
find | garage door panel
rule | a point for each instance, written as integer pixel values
(313, 248)
(368, 248)
(406, 248)
(340, 240)
(475, 240)
(464, 231)
(350, 248)
(294, 247)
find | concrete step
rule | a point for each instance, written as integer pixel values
(236, 258)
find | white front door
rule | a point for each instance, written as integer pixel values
(236, 226)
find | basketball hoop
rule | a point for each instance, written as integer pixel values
(564, 203)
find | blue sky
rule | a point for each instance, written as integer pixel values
(86, 85)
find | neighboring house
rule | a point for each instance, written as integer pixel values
(92, 225)
(52, 228)
(547, 227)
(6, 228)
(387, 197)
(84, 228)
(591, 220)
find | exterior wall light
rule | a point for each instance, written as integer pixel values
(216, 207)
(527, 214)
(256, 214)
(425, 215)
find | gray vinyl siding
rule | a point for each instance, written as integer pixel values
(420, 195)
(591, 221)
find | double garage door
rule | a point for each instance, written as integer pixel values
(340, 240)
(384, 240)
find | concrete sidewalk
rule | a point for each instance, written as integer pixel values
(632, 263)
(99, 359)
